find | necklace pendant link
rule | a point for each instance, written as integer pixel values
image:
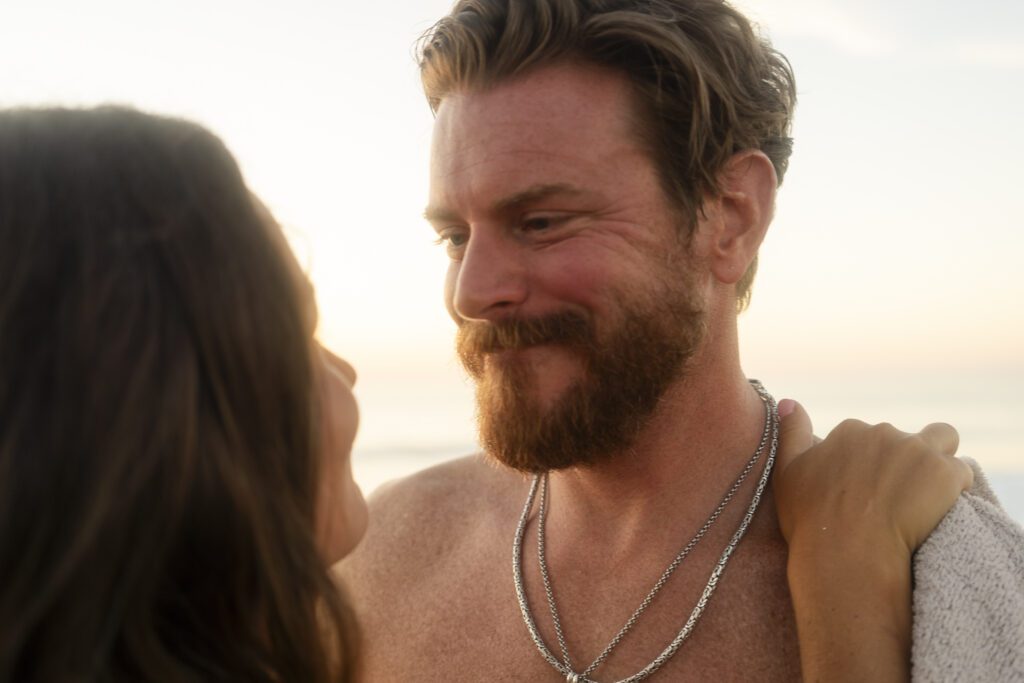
(769, 441)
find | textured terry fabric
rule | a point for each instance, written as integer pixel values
(969, 593)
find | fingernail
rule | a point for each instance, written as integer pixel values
(786, 407)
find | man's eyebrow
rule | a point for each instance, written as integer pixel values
(438, 214)
(536, 193)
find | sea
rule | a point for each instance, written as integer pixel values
(410, 423)
(374, 467)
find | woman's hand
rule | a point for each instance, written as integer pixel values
(853, 509)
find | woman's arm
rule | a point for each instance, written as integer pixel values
(853, 509)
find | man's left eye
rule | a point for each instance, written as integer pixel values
(536, 223)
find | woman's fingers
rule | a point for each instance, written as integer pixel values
(795, 433)
(863, 475)
(941, 436)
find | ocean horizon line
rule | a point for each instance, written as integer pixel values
(379, 464)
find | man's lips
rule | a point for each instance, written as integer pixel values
(536, 356)
(518, 350)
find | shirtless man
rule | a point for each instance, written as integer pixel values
(602, 181)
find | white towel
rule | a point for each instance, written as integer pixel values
(969, 593)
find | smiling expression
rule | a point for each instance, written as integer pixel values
(548, 205)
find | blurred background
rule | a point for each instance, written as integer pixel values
(889, 286)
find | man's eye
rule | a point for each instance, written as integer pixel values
(543, 222)
(537, 223)
(453, 240)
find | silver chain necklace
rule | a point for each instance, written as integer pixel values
(770, 435)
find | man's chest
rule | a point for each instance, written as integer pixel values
(467, 626)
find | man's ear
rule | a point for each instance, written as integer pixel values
(745, 208)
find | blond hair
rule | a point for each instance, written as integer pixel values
(707, 84)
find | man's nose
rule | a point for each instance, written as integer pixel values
(490, 281)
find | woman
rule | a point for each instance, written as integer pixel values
(174, 473)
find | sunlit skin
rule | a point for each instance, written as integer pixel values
(557, 145)
(545, 222)
(506, 159)
(341, 509)
(341, 513)
(546, 202)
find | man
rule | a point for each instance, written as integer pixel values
(602, 176)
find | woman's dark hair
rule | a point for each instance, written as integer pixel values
(158, 433)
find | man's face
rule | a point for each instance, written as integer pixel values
(577, 301)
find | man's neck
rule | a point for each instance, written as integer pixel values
(705, 429)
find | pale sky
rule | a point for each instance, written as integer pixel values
(898, 236)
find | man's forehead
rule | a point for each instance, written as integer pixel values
(555, 101)
(556, 125)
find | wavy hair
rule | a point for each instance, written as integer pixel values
(158, 443)
(706, 84)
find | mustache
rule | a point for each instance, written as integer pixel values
(475, 339)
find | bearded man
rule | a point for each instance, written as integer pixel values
(602, 175)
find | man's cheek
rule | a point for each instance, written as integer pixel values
(450, 280)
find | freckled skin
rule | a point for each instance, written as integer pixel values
(596, 234)
(547, 203)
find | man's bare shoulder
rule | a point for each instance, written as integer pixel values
(422, 519)
(447, 492)
(424, 580)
